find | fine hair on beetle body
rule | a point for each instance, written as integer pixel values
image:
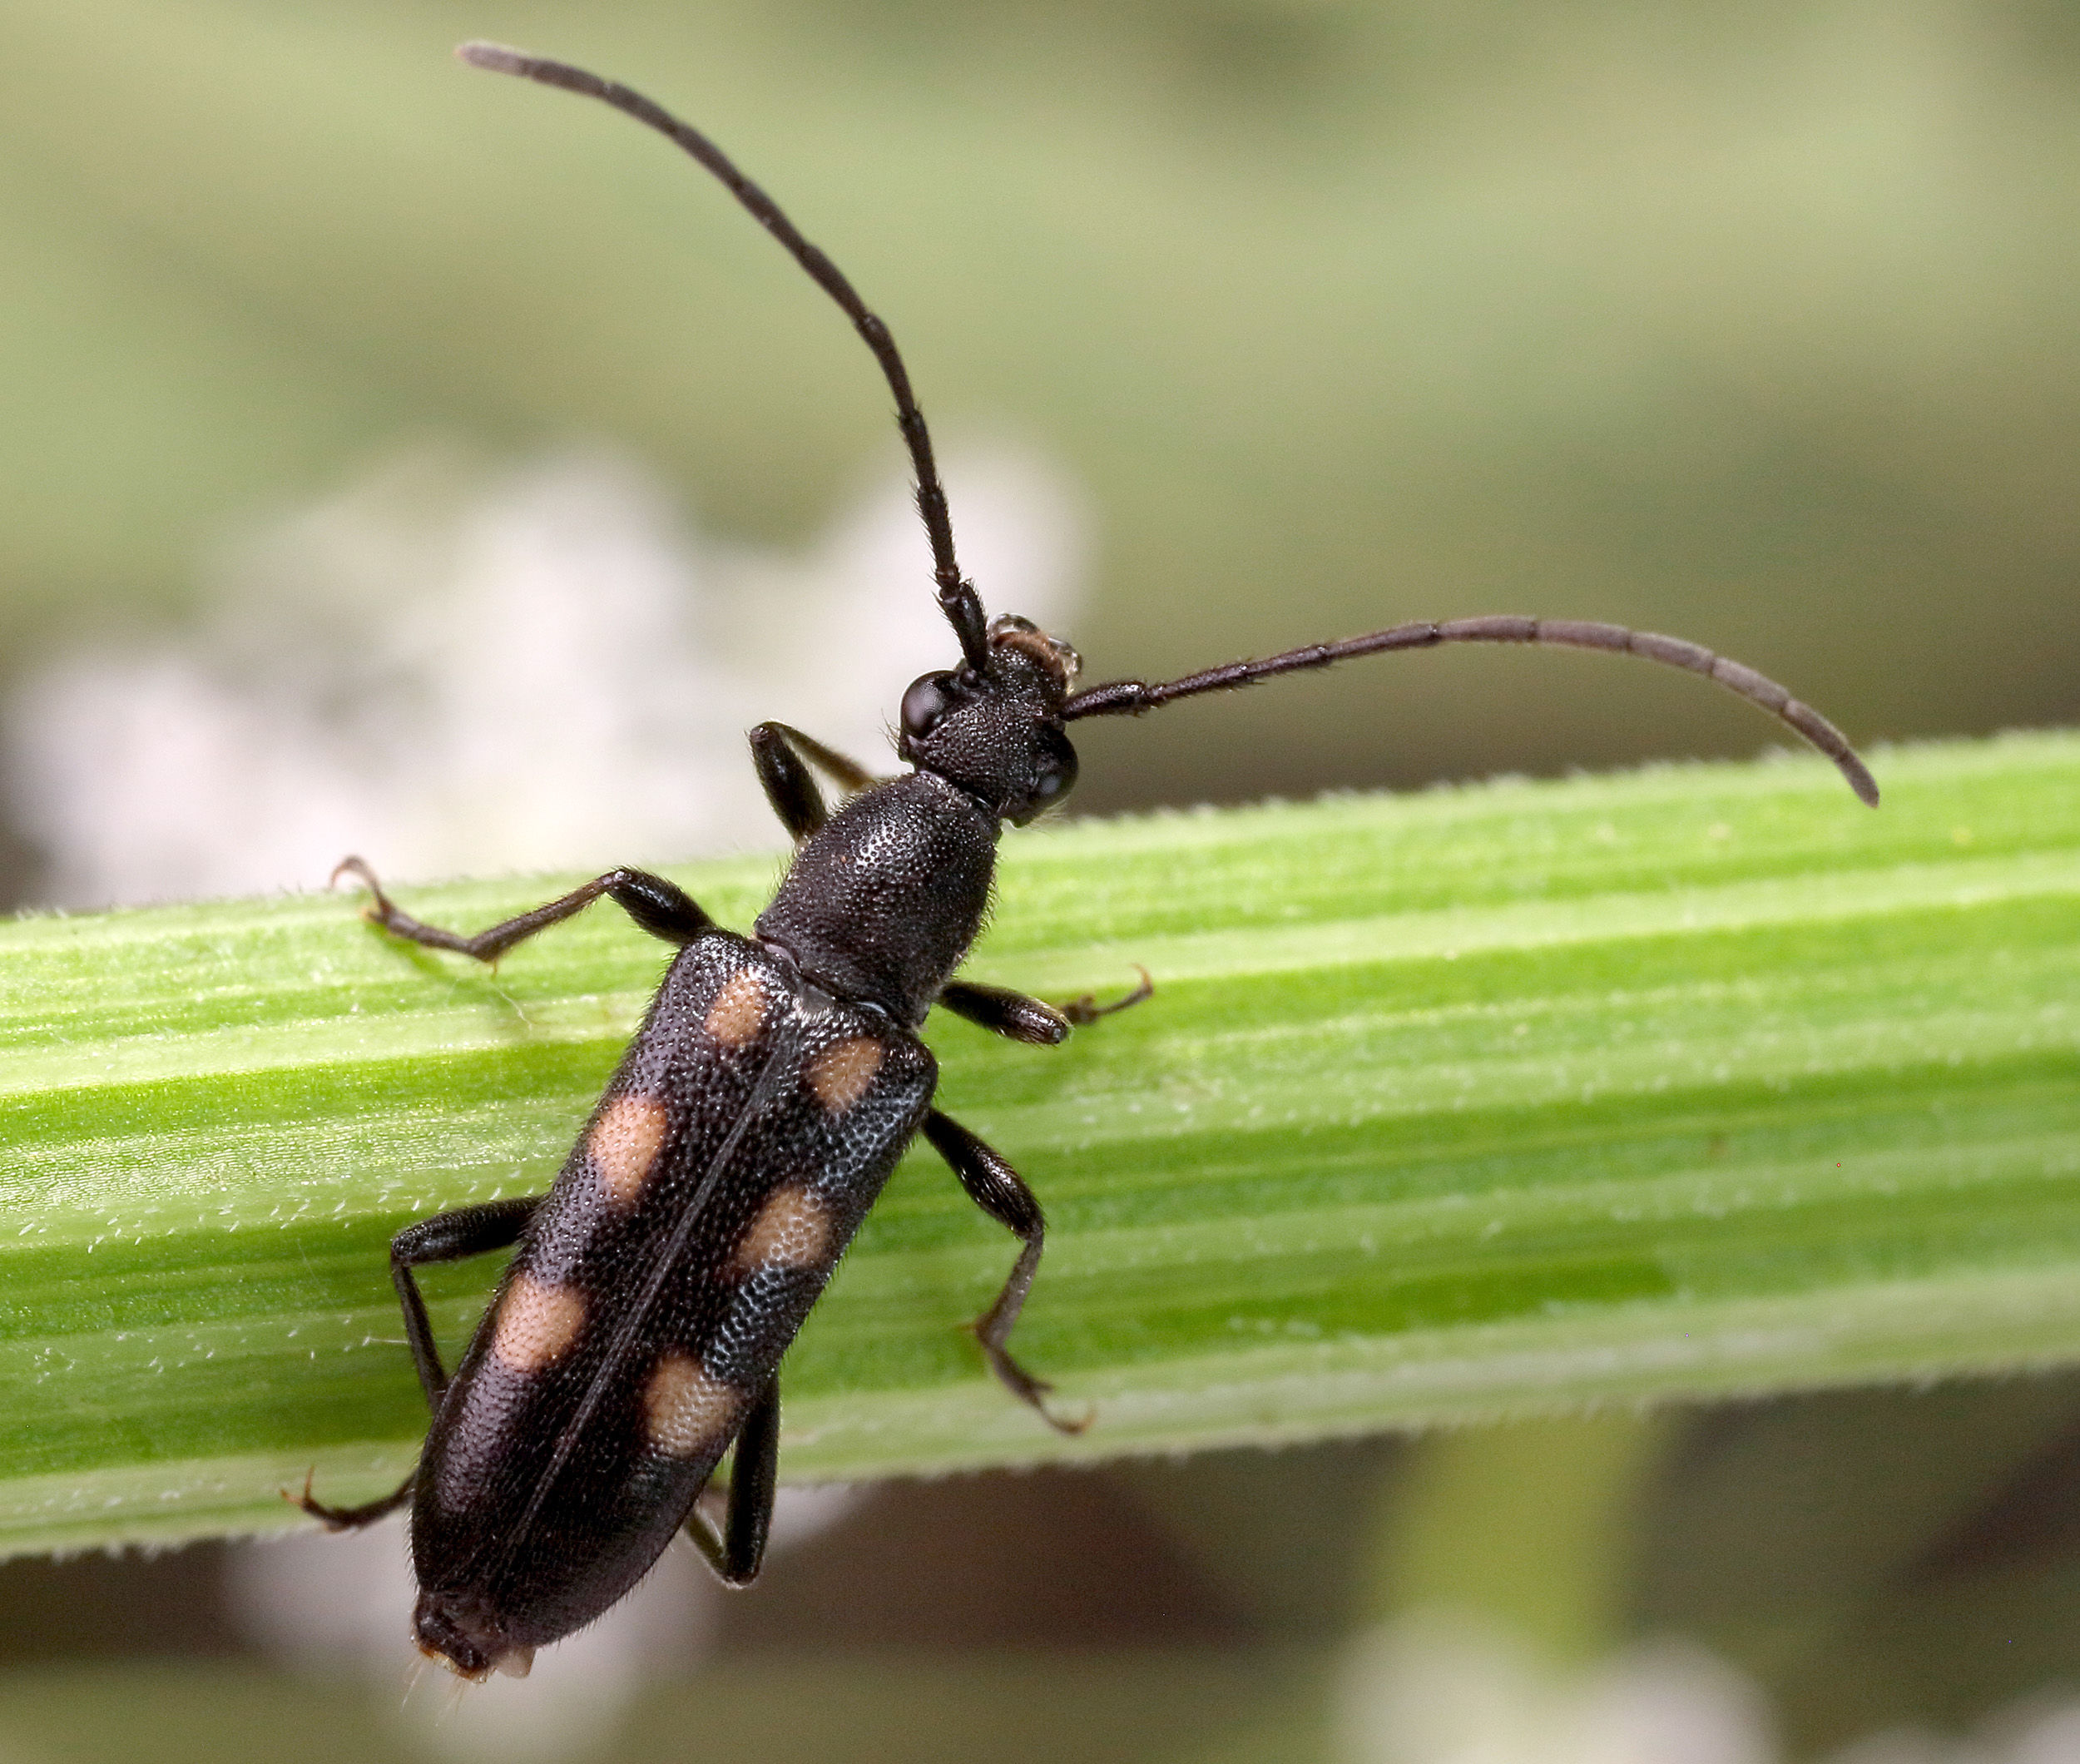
(636, 1336)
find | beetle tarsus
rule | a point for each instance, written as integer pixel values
(349, 1518)
(1087, 1010)
(1032, 1392)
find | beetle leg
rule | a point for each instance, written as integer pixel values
(783, 755)
(448, 1236)
(850, 776)
(788, 783)
(352, 1519)
(735, 1551)
(993, 1185)
(1004, 1012)
(663, 909)
(1018, 1017)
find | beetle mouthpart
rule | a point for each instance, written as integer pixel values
(1050, 652)
(516, 1662)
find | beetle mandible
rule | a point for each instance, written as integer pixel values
(777, 1079)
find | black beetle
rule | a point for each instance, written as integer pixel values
(774, 1085)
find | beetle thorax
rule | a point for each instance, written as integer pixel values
(881, 902)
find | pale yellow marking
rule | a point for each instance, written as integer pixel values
(739, 1011)
(792, 1230)
(623, 1144)
(688, 1411)
(537, 1324)
(841, 1074)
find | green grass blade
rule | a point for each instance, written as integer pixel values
(1483, 1101)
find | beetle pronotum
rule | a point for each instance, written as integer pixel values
(775, 1082)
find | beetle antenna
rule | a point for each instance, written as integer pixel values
(957, 597)
(1132, 697)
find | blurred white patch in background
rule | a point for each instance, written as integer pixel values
(1438, 1689)
(325, 1606)
(454, 671)
(2039, 1731)
(1433, 1690)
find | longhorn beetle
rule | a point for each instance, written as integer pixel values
(637, 1335)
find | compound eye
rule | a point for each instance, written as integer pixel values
(929, 698)
(1056, 777)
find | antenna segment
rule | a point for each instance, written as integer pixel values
(957, 597)
(1133, 697)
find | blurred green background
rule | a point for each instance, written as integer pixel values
(1756, 325)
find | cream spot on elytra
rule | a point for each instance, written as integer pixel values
(537, 1323)
(793, 1230)
(739, 1011)
(686, 1410)
(841, 1074)
(624, 1144)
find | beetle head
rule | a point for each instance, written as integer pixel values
(997, 733)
